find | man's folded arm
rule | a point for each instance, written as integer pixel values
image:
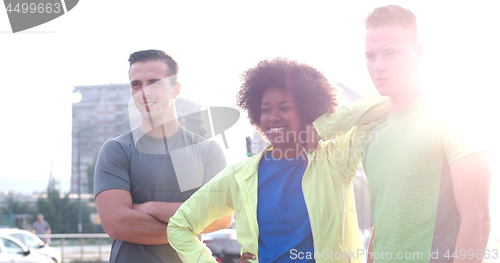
(121, 222)
(164, 210)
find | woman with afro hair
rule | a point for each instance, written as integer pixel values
(294, 201)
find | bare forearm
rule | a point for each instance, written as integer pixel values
(471, 184)
(369, 257)
(121, 222)
(137, 227)
(159, 210)
(472, 240)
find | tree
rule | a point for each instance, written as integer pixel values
(15, 207)
(61, 213)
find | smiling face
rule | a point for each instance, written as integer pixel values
(392, 58)
(280, 119)
(152, 91)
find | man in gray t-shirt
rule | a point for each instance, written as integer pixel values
(144, 175)
(41, 227)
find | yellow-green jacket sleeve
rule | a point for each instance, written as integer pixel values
(347, 130)
(361, 112)
(212, 201)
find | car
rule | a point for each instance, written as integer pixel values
(12, 250)
(33, 242)
(223, 244)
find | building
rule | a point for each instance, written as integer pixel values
(106, 111)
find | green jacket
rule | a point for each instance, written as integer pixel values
(326, 186)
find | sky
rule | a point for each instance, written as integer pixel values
(213, 43)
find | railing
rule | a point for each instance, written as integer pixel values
(68, 252)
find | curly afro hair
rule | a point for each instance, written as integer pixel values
(313, 93)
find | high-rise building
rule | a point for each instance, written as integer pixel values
(104, 112)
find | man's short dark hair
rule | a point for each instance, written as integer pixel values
(152, 55)
(393, 15)
(312, 91)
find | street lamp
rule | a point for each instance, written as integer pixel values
(78, 163)
(79, 182)
(76, 98)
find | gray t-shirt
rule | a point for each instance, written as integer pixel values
(41, 228)
(164, 170)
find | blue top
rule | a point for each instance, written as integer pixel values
(281, 211)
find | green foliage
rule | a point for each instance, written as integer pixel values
(59, 210)
(62, 213)
(15, 207)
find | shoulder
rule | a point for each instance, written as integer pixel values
(125, 138)
(191, 138)
(244, 168)
(199, 140)
(247, 166)
(122, 141)
(118, 148)
(250, 162)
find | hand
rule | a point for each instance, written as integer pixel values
(159, 210)
(144, 207)
(312, 138)
(246, 256)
